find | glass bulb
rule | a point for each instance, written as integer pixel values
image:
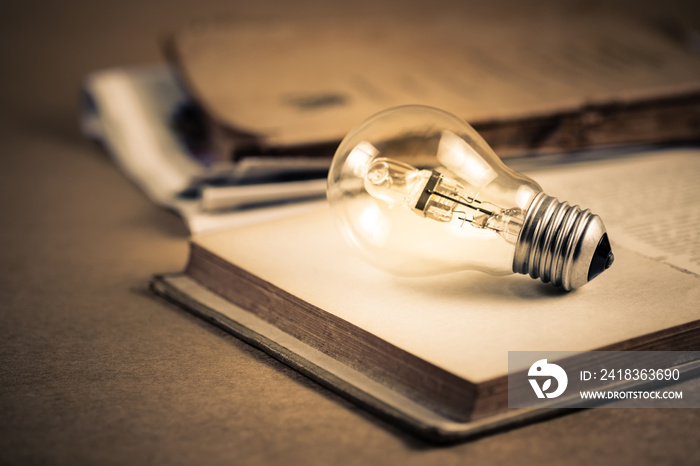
(419, 192)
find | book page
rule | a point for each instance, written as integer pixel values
(466, 322)
(653, 209)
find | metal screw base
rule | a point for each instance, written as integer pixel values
(558, 242)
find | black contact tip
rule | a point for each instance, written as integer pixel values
(603, 258)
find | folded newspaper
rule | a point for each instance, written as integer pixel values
(149, 125)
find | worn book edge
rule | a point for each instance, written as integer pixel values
(375, 397)
(350, 384)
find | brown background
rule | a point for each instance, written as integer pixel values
(94, 369)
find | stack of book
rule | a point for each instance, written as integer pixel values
(241, 125)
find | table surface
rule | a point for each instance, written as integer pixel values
(95, 369)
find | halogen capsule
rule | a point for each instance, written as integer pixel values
(436, 197)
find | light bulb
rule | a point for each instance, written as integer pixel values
(419, 192)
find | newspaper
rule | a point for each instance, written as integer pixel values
(131, 110)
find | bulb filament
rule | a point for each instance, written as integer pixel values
(430, 194)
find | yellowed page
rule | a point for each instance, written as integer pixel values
(651, 207)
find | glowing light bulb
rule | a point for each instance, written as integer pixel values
(419, 192)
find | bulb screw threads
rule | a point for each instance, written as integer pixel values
(561, 244)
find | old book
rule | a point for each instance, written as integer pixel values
(431, 354)
(525, 82)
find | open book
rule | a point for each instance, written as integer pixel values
(432, 353)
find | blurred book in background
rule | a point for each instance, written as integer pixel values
(528, 83)
(248, 114)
